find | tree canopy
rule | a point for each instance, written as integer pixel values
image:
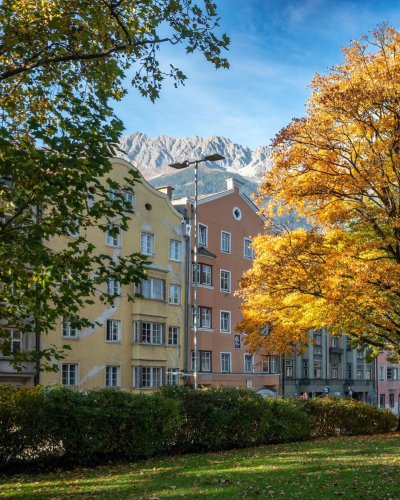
(338, 170)
(61, 65)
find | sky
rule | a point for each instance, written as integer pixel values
(276, 48)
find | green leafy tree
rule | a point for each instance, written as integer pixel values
(61, 65)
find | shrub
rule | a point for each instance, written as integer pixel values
(331, 417)
(215, 419)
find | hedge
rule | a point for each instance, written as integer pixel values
(60, 426)
(332, 417)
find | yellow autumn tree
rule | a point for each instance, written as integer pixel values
(337, 171)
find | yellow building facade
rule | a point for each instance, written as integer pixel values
(134, 345)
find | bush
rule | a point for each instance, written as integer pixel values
(59, 425)
(332, 417)
(216, 419)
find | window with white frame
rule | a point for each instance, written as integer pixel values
(237, 341)
(69, 329)
(381, 373)
(225, 362)
(125, 196)
(203, 317)
(173, 376)
(113, 236)
(174, 295)
(113, 376)
(145, 332)
(335, 370)
(113, 333)
(72, 229)
(175, 250)
(368, 372)
(248, 249)
(203, 361)
(148, 377)
(113, 287)
(202, 235)
(335, 342)
(248, 363)
(225, 321)
(268, 364)
(173, 335)
(153, 288)
(289, 368)
(225, 242)
(317, 369)
(13, 341)
(225, 280)
(69, 373)
(202, 274)
(147, 243)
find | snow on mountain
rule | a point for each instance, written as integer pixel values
(152, 155)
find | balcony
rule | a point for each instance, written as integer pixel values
(336, 350)
(304, 381)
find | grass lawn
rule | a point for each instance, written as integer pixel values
(355, 467)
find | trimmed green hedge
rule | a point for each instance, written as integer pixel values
(332, 417)
(61, 426)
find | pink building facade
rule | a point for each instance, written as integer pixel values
(227, 222)
(388, 384)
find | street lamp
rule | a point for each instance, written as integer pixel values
(179, 166)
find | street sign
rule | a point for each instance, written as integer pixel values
(326, 389)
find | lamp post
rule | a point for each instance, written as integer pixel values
(179, 166)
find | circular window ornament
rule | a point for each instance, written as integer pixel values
(237, 213)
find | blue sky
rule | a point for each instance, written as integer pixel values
(276, 48)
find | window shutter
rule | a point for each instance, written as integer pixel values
(135, 328)
(138, 376)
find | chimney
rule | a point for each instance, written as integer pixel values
(166, 190)
(234, 184)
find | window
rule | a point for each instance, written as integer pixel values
(148, 377)
(113, 287)
(382, 400)
(173, 335)
(113, 330)
(145, 332)
(175, 250)
(203, 317)
(147, 243)
(172, 376)
(360, 371)
(204, 361)
(391, 400)
(69, 330)
(317, 350)
(368, 372)
(335, 342)
(225, 280)
(13, 341)
(335, 370)
(248, 249)
(237, 341)
(113, 236)
(349, 370)
(225, 321)
(153, 288)
(289, 368)
(237, 214)
(112, 376)
(73, 229)
(248, 363)
(225, 242)
(225, 362)
(317, 339)
(268, 364)
(306, 373)
(392, 373)
(203, 235)
(360, 355)
(69, 374)
(381, 373)
(317, 369)
(174, 296)
(202, 274)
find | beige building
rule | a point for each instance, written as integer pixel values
(134, 345)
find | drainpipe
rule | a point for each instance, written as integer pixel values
(186, 368)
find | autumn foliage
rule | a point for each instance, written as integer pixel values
(337, 170)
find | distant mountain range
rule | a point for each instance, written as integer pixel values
(153, 155)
